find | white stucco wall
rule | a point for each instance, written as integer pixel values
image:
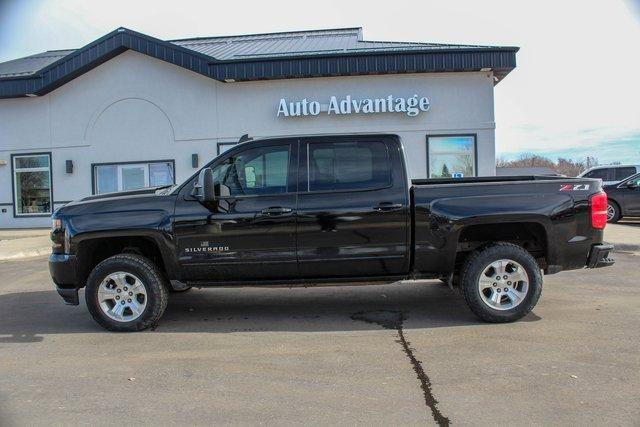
(134, 107)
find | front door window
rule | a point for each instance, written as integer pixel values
(256, 171)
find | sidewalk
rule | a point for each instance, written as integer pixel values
(27, 243)
(625, 236)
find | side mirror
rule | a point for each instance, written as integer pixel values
(204, 189)
(632, 184)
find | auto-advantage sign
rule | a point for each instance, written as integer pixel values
(411, 106)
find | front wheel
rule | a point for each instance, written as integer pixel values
(501, 283)
(126, 293)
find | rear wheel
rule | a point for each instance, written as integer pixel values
(126, 293)
(613, 212)
(501, 283)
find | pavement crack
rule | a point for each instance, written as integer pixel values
(389, 319)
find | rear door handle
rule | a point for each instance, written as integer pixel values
(388, 206)
(277, 210)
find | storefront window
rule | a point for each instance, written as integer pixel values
(132, 176)
(451, 156)
(32, 184)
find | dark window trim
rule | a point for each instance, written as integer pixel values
(13, 185)
(449, 135)
(93, 169)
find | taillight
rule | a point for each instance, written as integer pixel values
(599, 210)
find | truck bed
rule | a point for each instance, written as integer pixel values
(483, 179)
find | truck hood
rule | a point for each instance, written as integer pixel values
(120, 194)
(123, 199)
(141, 209)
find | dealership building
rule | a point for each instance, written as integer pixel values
(129, 111)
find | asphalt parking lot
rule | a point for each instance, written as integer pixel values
(401, 354)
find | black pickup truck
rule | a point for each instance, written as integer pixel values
(324, 210)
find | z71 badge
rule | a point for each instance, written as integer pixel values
(574, 187)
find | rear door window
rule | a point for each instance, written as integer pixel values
(622, 173)
(348, 166)
(603, 174)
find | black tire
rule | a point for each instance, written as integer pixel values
(475, 264)
(154, 283)
(617, 214)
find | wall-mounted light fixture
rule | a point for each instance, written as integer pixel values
(3, 162)
(68, 164)
(194, 161)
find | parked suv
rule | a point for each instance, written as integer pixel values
(611, 174)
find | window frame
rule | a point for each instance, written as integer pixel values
(136, 162)
(454, 135)
(304, 183)
(14, 189)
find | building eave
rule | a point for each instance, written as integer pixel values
(501, 60)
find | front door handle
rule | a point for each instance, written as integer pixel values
(277, 210)
(388, 206)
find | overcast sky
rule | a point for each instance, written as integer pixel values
(575, 91)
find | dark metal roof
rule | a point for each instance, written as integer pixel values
(301, 43)
(335, 52)
(31, 64)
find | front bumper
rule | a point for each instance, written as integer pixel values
(63, 272)
(599, 256)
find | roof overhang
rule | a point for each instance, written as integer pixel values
(500, 60)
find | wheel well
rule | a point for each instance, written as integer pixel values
(93, 251)
(530, 236)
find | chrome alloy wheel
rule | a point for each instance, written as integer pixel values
(503, 284)
(122, 296)
(610, 212)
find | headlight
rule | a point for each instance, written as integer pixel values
(57, 236)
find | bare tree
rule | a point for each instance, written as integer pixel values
(568, 167)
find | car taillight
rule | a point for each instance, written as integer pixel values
(599, 210)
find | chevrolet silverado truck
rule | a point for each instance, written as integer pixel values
(324, 210)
